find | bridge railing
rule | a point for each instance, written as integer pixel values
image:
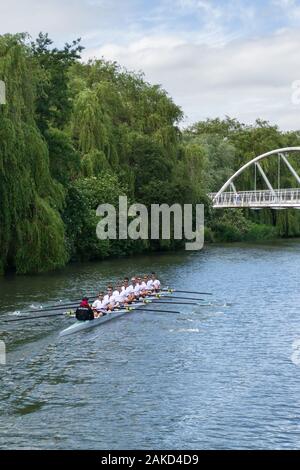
(265, 198)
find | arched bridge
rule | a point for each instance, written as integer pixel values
(271, 197)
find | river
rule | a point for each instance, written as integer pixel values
(224, 376)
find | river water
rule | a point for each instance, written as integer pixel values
(224, 376)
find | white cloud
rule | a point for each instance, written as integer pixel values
(64, 19)
(245, 79)
(214, 58)
(289, 8)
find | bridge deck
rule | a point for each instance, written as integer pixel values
(277, 199)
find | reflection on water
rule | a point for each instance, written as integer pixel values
(219, 376)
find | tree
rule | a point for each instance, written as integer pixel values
(31, 229)
(53, 103)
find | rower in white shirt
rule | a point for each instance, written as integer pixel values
(149, 284)
(156, 282)
(144, 284)
(126, 287)
(137, 287)
(115, 293)
(129, 289)
(144, 288)
(141, 287)
(119, 297)
(99, 306)
(108, 298)
(123, 293)
(125, 284)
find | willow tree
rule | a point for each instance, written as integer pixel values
(31, 229)
(114, 110)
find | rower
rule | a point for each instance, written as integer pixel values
(108, 297)
(113, 300)
(125, 284)
(99, 306)
(144, 288)
(127, 289)
(115, 293)
(117, 298)
(149, 284)
(123, 294)
(137, 287)
(144, 283)
(84, 311)
(156, 283)
(130, 289)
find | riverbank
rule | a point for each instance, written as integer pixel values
(211, 240)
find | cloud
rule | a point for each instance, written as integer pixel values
(290, 8)
(65, 19)
(244, 79)
(215, 58)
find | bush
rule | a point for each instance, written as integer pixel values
(261, 232)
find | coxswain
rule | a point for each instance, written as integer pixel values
(84, 312)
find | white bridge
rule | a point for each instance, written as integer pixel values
(274, 198)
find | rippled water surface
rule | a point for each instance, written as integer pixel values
(220, 376)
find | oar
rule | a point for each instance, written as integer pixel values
(172, 297)
(50, 309)
(170, 303)
(34, 318)
(58, 305)
(156, 310)
(53, 307)
(186, 291)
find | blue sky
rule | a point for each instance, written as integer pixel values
(215, 58)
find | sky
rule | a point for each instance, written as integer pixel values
(239, 58)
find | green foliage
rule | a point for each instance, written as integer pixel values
(64, 159)
(232, 226)
(53, 104)
(31, 229)
(83, 198)
(260, 232)
(94, 163)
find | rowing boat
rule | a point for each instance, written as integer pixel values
(85, 325)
